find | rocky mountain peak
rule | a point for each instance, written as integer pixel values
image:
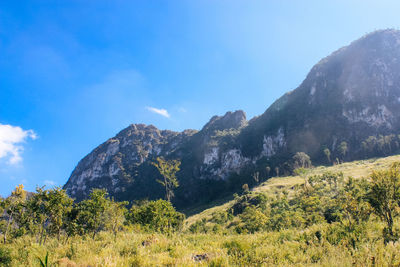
(349, 96)
(231, 120)
(368, 67)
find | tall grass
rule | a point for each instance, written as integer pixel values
(318, 245)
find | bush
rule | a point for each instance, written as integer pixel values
(5, 256)
(199, 227)
(159, 216)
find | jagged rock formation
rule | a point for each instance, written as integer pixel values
(350, 95)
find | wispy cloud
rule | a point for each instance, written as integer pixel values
(11, 140)
(160, 111)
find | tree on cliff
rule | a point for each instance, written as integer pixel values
(168, 170)
(327, 153)
(343, 149)
(301, 160)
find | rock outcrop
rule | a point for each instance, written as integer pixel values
(350, 95)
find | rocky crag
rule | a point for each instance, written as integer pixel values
(348, 96)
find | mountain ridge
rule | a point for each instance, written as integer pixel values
(346, 97)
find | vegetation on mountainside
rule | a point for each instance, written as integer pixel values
(168, 170)
(323, 217)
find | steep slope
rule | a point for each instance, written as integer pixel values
(348, 96)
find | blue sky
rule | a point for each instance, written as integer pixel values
(74, 73)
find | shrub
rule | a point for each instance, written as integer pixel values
(159, 216)
(5, 256)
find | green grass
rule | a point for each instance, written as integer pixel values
(284, 248)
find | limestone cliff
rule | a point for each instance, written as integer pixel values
(350, 95)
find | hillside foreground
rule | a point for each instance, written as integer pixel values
(356, 169)
(219, 242)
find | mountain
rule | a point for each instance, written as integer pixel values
(347, 97)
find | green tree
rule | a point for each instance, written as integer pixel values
(91, 214)
(60, 204)
(48, 211)
(168, 170)
(343, 149)
(369, 145)
(384, 196)
(277, 171)
(301, 160)
(327, 153)
(268, 170)
(351, 200)
(253, 219)
(114, 216)
(159, 216)
(37, 207)
(13, 207)
(245, 188)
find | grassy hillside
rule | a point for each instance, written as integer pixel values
(355, 169)
(282, 222)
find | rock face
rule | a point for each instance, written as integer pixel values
(350, 95)
(115, 164)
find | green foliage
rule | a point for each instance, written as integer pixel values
(13, 207)
(328, 220)
(326, 198)
(115, 216)
(380, 145)
(168, 170)
(47, 211)
(253, 219)
(159, 216)
(200, 227)
(268, 170)
(343, 149)
(50, 212)
(238, 250)
(301, 160)
(92, 212)
(45, 262)
(327, 153)
(384, 197)
(352, 200)
(5, 256)
(221, 217)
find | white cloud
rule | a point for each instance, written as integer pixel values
(162, 112)
(11, 140)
